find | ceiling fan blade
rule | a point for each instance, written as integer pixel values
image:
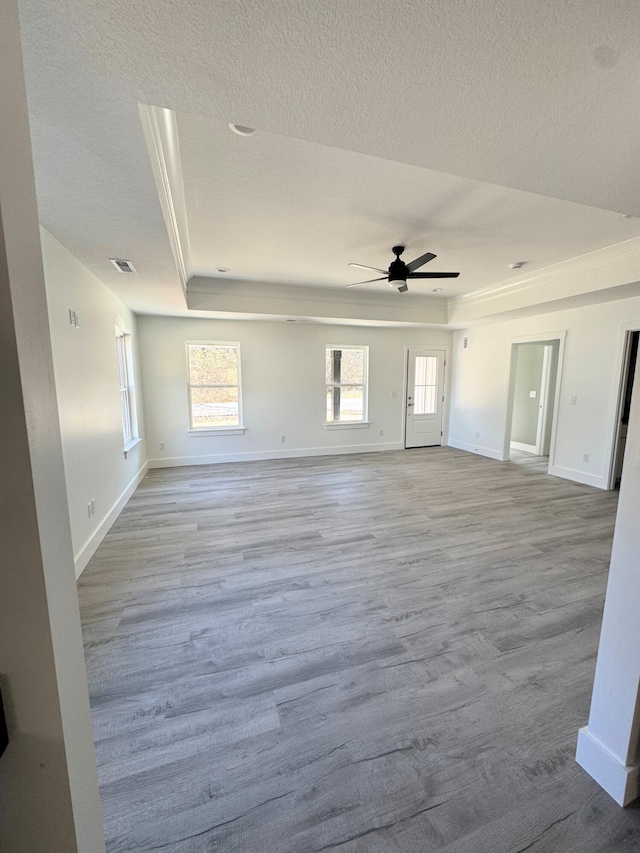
(363, 267)
(355, 284)
(403, 288)
(433, 275)
(418, 262)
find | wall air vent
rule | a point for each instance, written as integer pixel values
(122, 265)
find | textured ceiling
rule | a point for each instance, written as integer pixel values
(272, 207)
(535, 96)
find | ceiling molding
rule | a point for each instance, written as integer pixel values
(161, 135)
(581, 277)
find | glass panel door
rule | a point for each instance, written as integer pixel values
(425, 389)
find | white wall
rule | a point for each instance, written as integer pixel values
(283, 388)
(609, 747)
(49, 799)
(86, 372)
(591, 373)
(526, 409)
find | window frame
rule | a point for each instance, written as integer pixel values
(127, 388)
(238, 429)
(351, 424)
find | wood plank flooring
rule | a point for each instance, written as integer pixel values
(539, 464)
(386, 652)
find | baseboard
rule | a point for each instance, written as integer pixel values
(476, 448)
(91, 545)
(618, 780)
(579, 476)
(258, 455)
(526, 448)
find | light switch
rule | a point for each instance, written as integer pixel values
(532, 393)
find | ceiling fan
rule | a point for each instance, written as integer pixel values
(399, 272)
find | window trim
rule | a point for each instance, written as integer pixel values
(124, 354)
(229, 429)
(330, 425)
(364, 422)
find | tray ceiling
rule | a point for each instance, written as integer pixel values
(538, 97)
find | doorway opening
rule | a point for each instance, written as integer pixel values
(627, 377)
(533, 386)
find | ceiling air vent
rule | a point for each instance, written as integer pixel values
(122, 265)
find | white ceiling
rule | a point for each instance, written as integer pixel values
(539, 97)
(273, 208)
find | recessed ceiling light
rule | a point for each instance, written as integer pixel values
(223, 269)
(517, 266)
(122, 266)
(241, 130)
(438, 289)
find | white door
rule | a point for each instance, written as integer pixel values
(425, 398)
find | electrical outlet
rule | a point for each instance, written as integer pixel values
(585, 457)
(394, 394)
(283, 438)
(380, 432)
(163, 446)
(533, 394)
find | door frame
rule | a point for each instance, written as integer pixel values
(543, 410)
(622, 364)
(541, 338)
(446, 349)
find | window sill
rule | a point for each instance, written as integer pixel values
(347, 425)
(130, 445)
(195, 433)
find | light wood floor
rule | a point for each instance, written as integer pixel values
(536, 464)
(380, 653)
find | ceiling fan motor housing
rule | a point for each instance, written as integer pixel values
(398, 271)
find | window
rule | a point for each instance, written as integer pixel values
(214, 386)
(425, 390)
(127, 390)
(346, 379)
